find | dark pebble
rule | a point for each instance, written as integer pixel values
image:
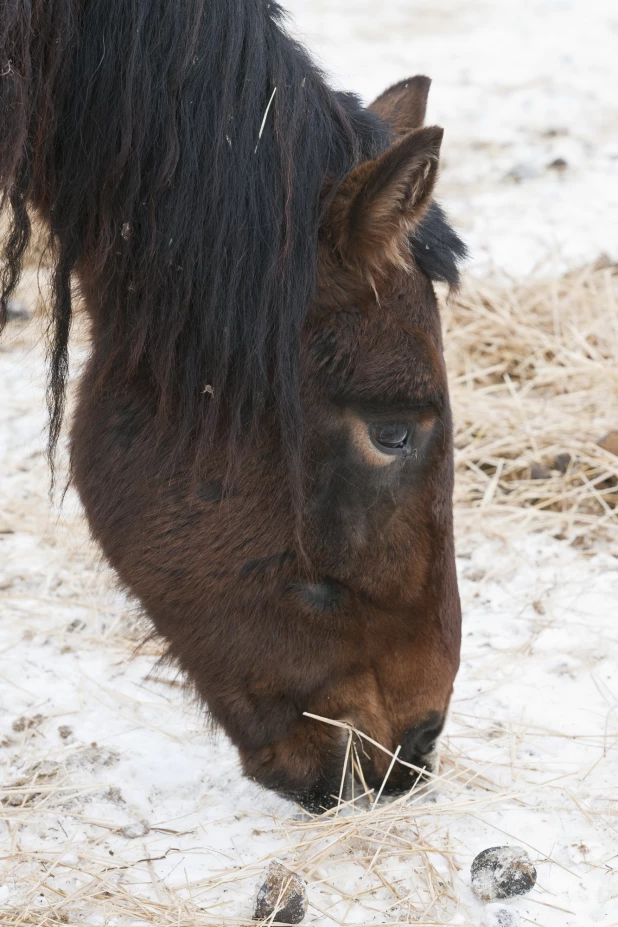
(610, 442)
(561, 462)
(537, 472)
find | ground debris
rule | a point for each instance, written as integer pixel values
(18, 793)
(610, 442)
(498, 915)
(25, 724)
(135, 829)
(558, 164)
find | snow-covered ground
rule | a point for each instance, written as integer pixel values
(518, 85)
(120, 792)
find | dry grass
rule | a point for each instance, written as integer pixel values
(534, 378)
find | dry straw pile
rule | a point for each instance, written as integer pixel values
(534, 378)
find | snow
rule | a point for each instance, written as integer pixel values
(130, 774)
(516, 85)
(498, 915)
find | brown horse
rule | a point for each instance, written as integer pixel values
(262, 440)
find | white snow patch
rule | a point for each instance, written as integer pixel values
(514, 84)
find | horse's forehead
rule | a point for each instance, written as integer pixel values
(403, 357)
(387, 357)
(408, 312)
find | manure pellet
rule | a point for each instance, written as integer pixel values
(282, 897)
(502, 872)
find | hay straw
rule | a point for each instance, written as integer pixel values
(361, 851)
(534, 381)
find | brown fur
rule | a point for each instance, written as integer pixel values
(370, 632)
(380, 202)
(404, 104)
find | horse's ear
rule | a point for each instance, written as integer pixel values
(381, 201)
(403, 106)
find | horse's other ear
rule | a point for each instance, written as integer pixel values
(381, 201)
(403, 106)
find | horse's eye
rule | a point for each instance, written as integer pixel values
(391, 437)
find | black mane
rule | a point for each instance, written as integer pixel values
(179, 149)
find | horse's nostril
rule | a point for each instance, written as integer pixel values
(420, 740)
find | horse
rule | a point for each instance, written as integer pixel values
(262, 437)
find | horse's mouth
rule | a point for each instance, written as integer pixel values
(410, 769)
